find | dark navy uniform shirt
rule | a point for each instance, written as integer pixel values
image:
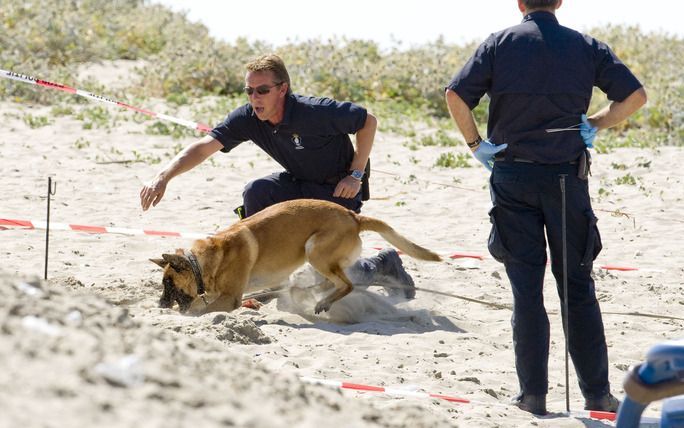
(311, 142)
(539, 75)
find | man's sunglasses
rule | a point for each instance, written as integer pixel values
(261, 90)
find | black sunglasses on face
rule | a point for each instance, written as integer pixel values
(261, 90)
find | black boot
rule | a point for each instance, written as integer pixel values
(607, 403)
(535, 404)
(390, 272)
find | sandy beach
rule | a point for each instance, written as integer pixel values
(91, 347)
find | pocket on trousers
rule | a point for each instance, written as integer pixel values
(495, 244)
(594, 244)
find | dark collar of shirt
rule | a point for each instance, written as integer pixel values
(541, 15)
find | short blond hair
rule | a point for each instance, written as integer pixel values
(273, 63)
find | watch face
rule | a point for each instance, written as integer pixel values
(357, 174)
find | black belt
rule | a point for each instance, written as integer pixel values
(330, 180)
(502, 158)
(335, 179)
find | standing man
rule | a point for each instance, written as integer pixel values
(539, 77)
(309, 138)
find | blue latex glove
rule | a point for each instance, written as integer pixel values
(486, 151)
(588, 132)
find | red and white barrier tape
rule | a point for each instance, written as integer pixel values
(593, 414)
(38, 224)
(389, 391)
(609, 416)
(58, 86)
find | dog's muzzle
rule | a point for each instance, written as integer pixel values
(172, 295)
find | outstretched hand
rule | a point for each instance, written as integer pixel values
(152, 193)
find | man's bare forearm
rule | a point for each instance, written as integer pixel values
(190, 157)
(617, 111)
(364, 143)
(463, 117)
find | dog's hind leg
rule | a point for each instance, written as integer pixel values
(342, 287)
(329, 254)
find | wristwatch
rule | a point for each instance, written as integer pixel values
(357, 174)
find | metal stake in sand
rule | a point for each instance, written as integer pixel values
(565, 288)
(51, 191)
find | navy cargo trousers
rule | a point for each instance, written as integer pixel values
(526, 200)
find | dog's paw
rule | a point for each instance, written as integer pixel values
(252, 304)
(322, 306)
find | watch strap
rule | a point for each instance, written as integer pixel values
(474, 144)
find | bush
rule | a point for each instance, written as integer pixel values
(451, 160)
(51, 38)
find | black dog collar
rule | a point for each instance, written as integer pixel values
(196, 271)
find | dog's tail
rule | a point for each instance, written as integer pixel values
(394, 238)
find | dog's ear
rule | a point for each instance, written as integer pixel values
(159, 262)
(178, 263)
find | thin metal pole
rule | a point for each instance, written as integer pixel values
(566, 326)
(51, 191)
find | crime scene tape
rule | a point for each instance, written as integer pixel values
(64, 88)
(592, 414)
(40, 224)
(389, 391)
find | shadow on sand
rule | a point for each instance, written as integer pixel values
(362, 311)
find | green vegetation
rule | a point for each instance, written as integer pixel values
(627, 179)
(95, 116)
(439, 138)
(450, 160)
(81, 143)
(183, 64)
(61, 110)
(148, 159)
(36, 121)
(165, 128)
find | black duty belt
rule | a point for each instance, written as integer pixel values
(502, 158)
(335, 179)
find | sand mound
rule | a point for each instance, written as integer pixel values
(72, 359)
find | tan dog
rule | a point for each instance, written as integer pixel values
(263, 250)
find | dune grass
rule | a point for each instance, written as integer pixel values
(51, 39)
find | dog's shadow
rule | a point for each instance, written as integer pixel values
(363, 311)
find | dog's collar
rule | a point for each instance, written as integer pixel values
(196, 271)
